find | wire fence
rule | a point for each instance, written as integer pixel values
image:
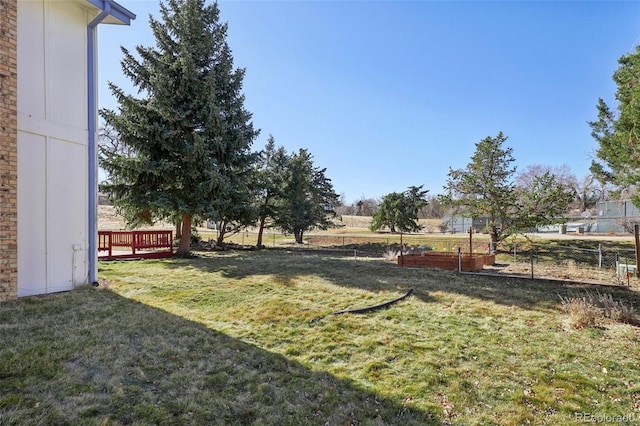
(584, 262)
(577, 260)
(379, 245)
(611, 265)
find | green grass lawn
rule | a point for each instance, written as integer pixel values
(230, 338)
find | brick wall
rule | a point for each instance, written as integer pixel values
(8, 151)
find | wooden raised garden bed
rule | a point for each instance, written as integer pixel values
(489, 259)
(473, 263)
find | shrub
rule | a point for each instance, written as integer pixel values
(583, 313)
(195, 237)
(588, 309)
(391, 255)
(616, 310)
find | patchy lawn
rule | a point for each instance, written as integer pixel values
(246, 338)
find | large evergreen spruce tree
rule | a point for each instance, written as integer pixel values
(617, 131)
(189, 133)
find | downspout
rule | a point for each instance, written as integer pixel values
(92, 247)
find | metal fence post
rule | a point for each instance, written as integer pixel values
(531, 260)
(599, 256)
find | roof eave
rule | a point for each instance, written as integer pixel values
(118, 14)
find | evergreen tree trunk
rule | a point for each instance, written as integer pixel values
(185, 239)
(221, 233)
(260, 232)
(178, 224)
(298, 235)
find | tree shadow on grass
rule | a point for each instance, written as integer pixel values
(91, 356)
(289, 267)
(378, 276)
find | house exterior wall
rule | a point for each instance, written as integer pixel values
(52, 146)
(8, 151)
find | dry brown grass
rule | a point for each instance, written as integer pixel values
(582, 311)
(363, 222)
(616, 310)
(110, 220)
(591, 309)
(391, 255)
(569, 270)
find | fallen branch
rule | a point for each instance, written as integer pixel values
(368, 308)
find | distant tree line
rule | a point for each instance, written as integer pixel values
(491, 187)
(368, 206)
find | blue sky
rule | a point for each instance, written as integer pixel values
(389, 94)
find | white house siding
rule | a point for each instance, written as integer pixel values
(52, 145)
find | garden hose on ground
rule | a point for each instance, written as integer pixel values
(367, 309)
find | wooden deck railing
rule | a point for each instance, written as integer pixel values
(128, 244)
